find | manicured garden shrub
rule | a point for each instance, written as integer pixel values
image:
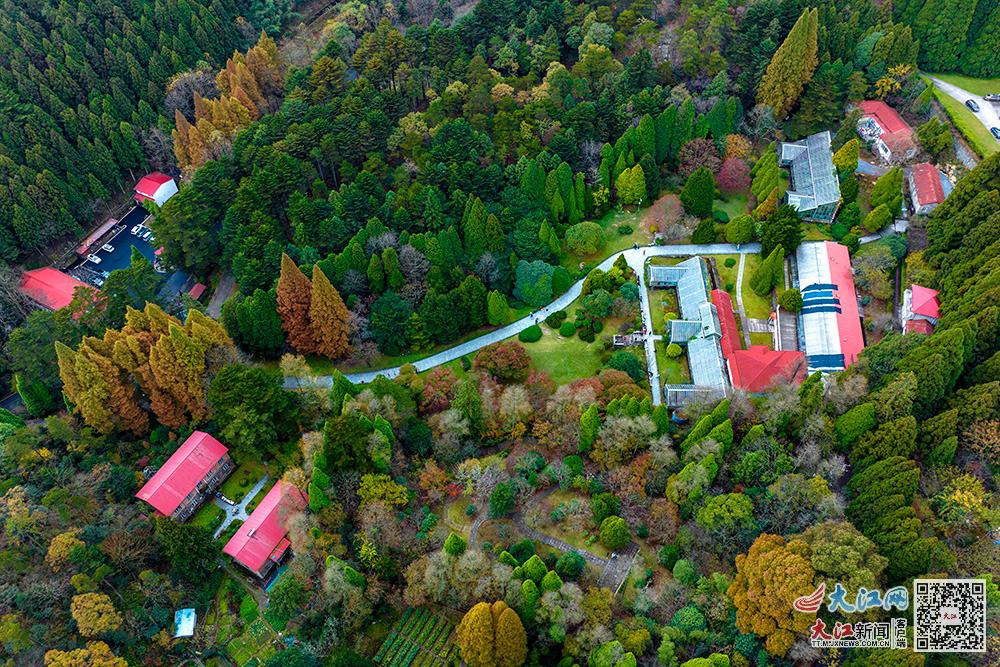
(668, 555)
(530, 335)
(597, 326)
(614, 532)
(790, 300)
(730, 262)
(685, 572)
(570, 565)
(704, 232)
(586, 335)
(721, 216)
(567, 329)
(625, 230)
(674, 350)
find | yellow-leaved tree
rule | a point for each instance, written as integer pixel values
(94, 613)
(491, 635)
(97, 654)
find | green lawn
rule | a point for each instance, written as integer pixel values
(672, 370)
(208, 516)
(734, 206)
(585, 541)
(966, 122)
(455, 516)
(756, 306)
(727, 273)
(817, 232)
(761, 339)
(565, 359)
(661, 301)
(614, 241)
(242, 480)
(977, 86)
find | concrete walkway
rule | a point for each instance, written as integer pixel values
(635, 257)
(899, 226)
(239, 510)
(739, 303)
(649, 342)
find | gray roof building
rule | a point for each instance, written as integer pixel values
(815, 186)
(698, 330)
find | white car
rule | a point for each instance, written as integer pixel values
(107, 247)
(146, 234)
(94, 258)
(99, 282)
(136, 229)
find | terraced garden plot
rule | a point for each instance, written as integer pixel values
(420, 638)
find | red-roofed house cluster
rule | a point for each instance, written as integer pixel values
(759, 368)
(921, 309)
(886, 132)
(262, 541)
(926, 188)
(188, 477)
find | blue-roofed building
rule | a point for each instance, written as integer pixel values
(698, 330)
(184, 620)
(815, 185)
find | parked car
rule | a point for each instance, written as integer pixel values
(972, 105)
(94, 258)
(136, 230)
(105, 274)
(107, 247)
(995, 131)
(992, 97)
(99, 282)
(146, 234)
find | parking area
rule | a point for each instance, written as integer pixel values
(122, 241)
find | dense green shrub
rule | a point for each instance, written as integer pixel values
(567, 329)
(730, 262)
(530, 335)
(614, 532)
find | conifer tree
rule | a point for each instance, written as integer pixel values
(376, 275)
(497, 309)
(393, 272)
(699, 193)
(792, 66)
(328, 317)
(981, 58)
(293, 297)
(942, 27)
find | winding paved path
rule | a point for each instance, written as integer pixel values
(635, 257)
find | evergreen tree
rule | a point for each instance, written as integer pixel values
(784, 229)
(497, 310)
(376, 275)
(941, 27)
(328, 317)
(699, 193)
(980, 58)
(769, 273)
(791, 68)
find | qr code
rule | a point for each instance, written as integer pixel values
(949, 615)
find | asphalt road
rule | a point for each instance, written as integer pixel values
(987, 114)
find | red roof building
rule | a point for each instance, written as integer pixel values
(925, 302)
(919, 326)
(50, 288)
(760, 368)
(730, 340)
(261, 542)
(156, 187)
(195, 470)
(889, 134)
(197, 291)
(926, 189)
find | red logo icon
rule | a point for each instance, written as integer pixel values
(810, 604)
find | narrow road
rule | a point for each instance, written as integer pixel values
(635, 257)
(224, 290)
(649, 342)
(987, 114)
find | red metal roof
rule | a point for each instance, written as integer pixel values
(919, 326)
(150, 183)
(92, 238)
(727, 322)
(197, 291)
(924, 301)
(886, 117)
(760, 368)
(927, 182)
(262, 535)
(49, 287)
(852, 340)
(182, 472)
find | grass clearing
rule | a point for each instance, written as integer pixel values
(755, 306)
(757, 338)
(673, 370)
(241, 481)
(733, 206)
(817, 232)
(565, 359)
(455, 516)
(727, 274)
(661, 302)
(208, 516)
(614, 240)
(978, 86)
(968, 125)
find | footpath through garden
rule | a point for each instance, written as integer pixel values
(636, 258)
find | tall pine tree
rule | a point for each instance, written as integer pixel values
(792, 66)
